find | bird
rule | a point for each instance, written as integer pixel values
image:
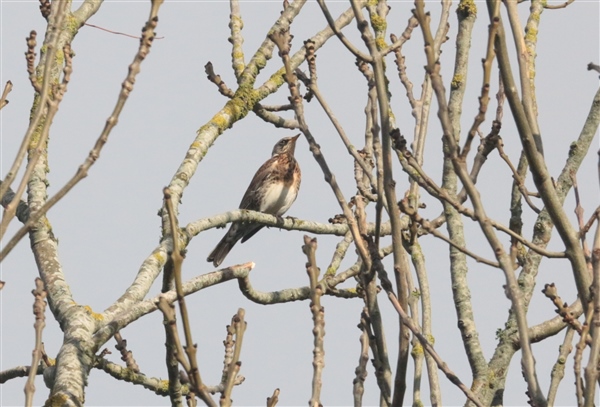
(273, 190)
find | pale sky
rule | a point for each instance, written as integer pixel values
(108, 225)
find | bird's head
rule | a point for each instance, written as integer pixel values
(285, 145)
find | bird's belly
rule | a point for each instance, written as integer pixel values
(277, 199)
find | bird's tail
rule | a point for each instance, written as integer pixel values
(225, 245)
(218, 254)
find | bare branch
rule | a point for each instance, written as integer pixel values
(558, 370)
(39, 308)
(190, 348)
(7, 89)
(591, 370)
(232, 361)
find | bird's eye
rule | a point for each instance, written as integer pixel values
(282, 143)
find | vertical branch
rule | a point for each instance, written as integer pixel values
(418, 260)
(580, 347)
(233, 364)
(318, 312)
(361, 369)
(369, 283)
(484, 98)
(422, 117)
(466, 14)
(235, 25)
(531, 37)
(171, 341)
(417, 351)
(39, 307)
(558, 370)
(526, 70)
(190, 348)
(174, 347)
(591, 370)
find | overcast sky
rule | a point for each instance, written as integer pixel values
(108, 225)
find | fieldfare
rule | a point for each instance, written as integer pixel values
(272, 190)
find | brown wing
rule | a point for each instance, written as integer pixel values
(253, 195)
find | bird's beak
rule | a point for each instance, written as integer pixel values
(296, 137)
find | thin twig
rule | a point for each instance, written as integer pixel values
(579, 214)
(119, 33)
(484, 98)
(410, 166)
(39, 308)
(172, 344)
(562, 308)
(216, 79)
(272, 401)
(126, 355)
(414, 215)
(556, 7)
(7, 89)
(579, 385)
(591, 370)
(520, 183)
